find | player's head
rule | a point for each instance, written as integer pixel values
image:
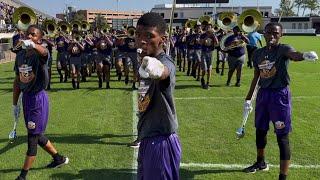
(34, 33)
(236, 30)
(150, 34)
(272, 33)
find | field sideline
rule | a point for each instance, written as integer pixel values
(92, 127)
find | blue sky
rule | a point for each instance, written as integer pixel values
(56, 6)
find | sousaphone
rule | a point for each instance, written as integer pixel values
(250, 20)
(23, 17)
(227, 20)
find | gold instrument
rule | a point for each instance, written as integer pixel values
(206, 20)
(105, 29)
(234, 44)
(85, 26)
(191, 23)
(250, 20)
(50, 27)
(64, 26)
(23, 17)
(227, 20)
(216, 28)
(131, 31)
(76, 25)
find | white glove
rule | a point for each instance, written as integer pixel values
(143, 73)
(310, 56)
(16, 111)
(153, 66)
(28, 44)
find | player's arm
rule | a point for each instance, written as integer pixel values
(16, 91)
(41, 50)
(298, 56)
(253, 84)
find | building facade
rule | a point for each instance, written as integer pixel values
(119, 16)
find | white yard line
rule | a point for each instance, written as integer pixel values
(242, 166)
(237, 97)
(134, 131)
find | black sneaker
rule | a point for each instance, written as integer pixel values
(257, 166)
(58, 163)
(238, 84)
(134, 144)
(228, 83)
(108, 85)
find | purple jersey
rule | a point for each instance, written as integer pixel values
(62, 45)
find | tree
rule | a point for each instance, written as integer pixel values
(286, 8)
(312, 5)
(100, 21)
(298, 4)
(79, 16)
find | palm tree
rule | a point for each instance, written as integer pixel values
(313, 5)
(298, 4)
(286, 8)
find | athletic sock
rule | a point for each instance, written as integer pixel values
(57, 157)
(23, 173)
(260, 159)
(282, 177)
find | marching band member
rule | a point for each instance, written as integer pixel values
(273, 102)
(221, 55)
(86, 69)
(131, 56)
(196, 55)
(62, 56)
(208, 42)
(236, 55)
(160, 151)
(181, 49)
(103, 61)
(190, 52)
(31, 80)
(75, 50)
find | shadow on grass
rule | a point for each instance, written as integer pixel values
(96, 174)
(191, 174)
(71, 139)
(129, 173)
(19, 169)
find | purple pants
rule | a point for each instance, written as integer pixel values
(36, 111)
(159, 158)
(273, 105)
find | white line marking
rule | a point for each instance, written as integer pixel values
(237, 97)
(242, 166)
(134, 131)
